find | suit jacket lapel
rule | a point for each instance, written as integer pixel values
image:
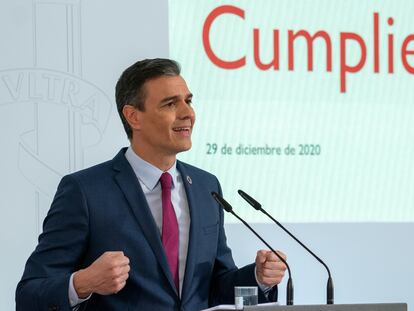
(132, 190)
(194, 230)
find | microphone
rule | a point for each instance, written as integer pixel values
(228, 208)
(258, 206)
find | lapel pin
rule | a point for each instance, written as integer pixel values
(189, 180)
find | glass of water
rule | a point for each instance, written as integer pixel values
(245, 296)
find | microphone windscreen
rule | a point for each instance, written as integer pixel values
(250, 200)
(223, 203)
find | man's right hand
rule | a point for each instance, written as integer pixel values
(105, 276)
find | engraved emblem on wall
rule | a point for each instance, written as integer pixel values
(70, 114)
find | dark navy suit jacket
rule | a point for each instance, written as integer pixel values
(103, 208)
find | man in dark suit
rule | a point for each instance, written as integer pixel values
(141, 232)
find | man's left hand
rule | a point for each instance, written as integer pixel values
(269, 268)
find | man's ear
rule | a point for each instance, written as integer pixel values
(133, 116)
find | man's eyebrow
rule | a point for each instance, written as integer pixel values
(174, 97)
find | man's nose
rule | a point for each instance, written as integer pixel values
(185, 110)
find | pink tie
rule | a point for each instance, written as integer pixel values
(169, 234)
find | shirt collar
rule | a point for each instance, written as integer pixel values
(147, 173)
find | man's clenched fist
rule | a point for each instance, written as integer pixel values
(105, 276)
(269, 268)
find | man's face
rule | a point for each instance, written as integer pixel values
(167, 121)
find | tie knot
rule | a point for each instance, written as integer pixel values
(166, 181)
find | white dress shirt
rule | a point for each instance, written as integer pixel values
(149, 176)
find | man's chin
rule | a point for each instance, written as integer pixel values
(184, 148)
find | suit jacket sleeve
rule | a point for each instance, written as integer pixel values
(44, 285)
(226, 275)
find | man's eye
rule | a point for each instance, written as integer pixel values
(189, 101)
